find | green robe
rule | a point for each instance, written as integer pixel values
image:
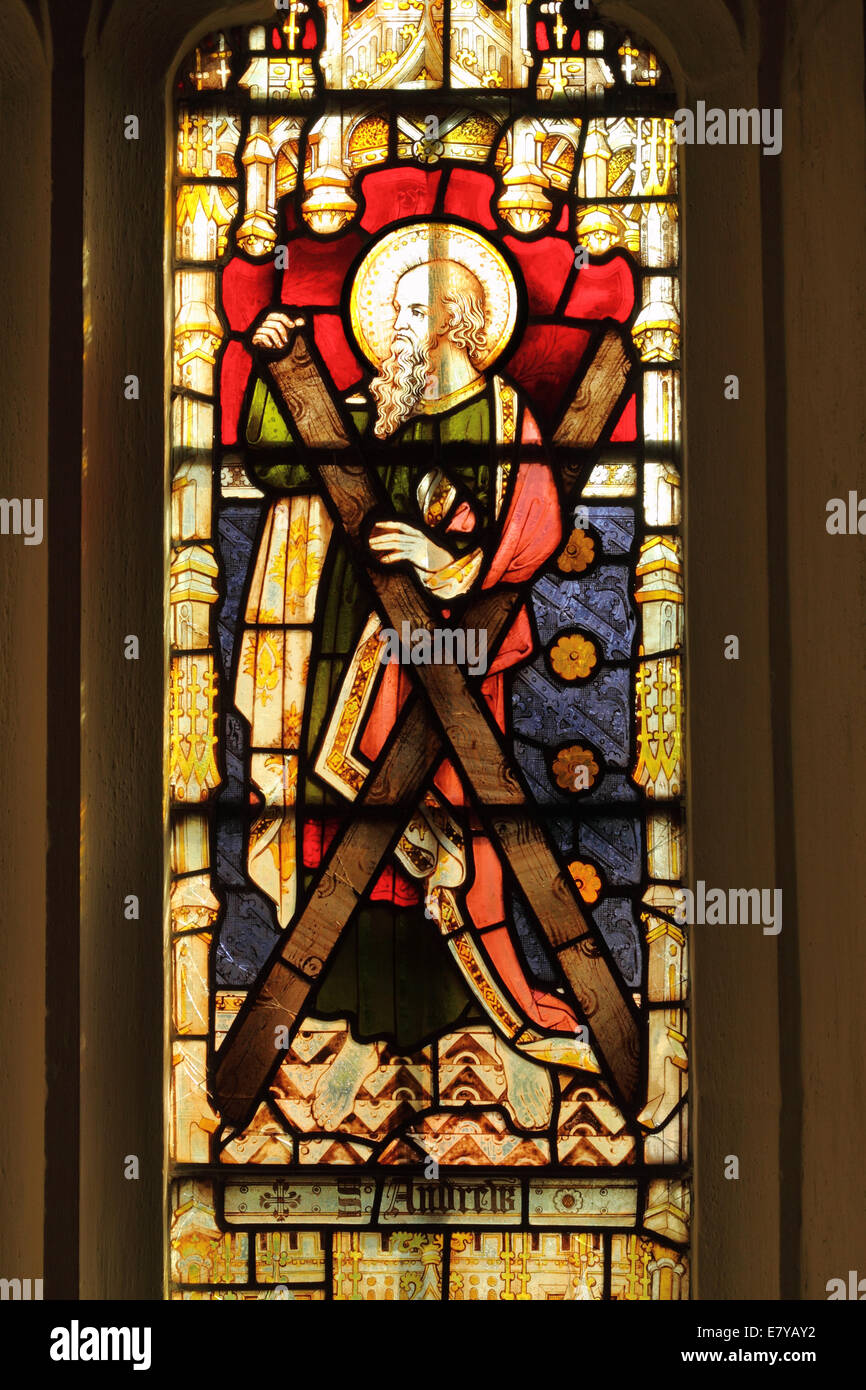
(391, 971)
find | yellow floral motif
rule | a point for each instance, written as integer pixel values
(578, 554)
(292, 726)
(587, 880)
(566, 764)
(264, 662)
(298, 564)
(283, 791)
(573, 657)
(477, 130)
(371, 134)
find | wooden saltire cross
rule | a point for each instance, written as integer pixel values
(451, 720)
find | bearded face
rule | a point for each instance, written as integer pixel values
(401, 382)
(436, 308)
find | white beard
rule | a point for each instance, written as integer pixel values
(400, 384)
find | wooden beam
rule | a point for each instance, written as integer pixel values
(602, 385)
(458, 722)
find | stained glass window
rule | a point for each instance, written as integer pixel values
(428, 1016)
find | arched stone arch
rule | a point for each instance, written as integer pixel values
(707, 54)
(700, 44)
(127, 336)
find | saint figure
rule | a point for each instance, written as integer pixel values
(474, 505)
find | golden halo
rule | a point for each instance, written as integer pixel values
(371, 303)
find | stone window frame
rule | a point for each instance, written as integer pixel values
(749, 1068)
